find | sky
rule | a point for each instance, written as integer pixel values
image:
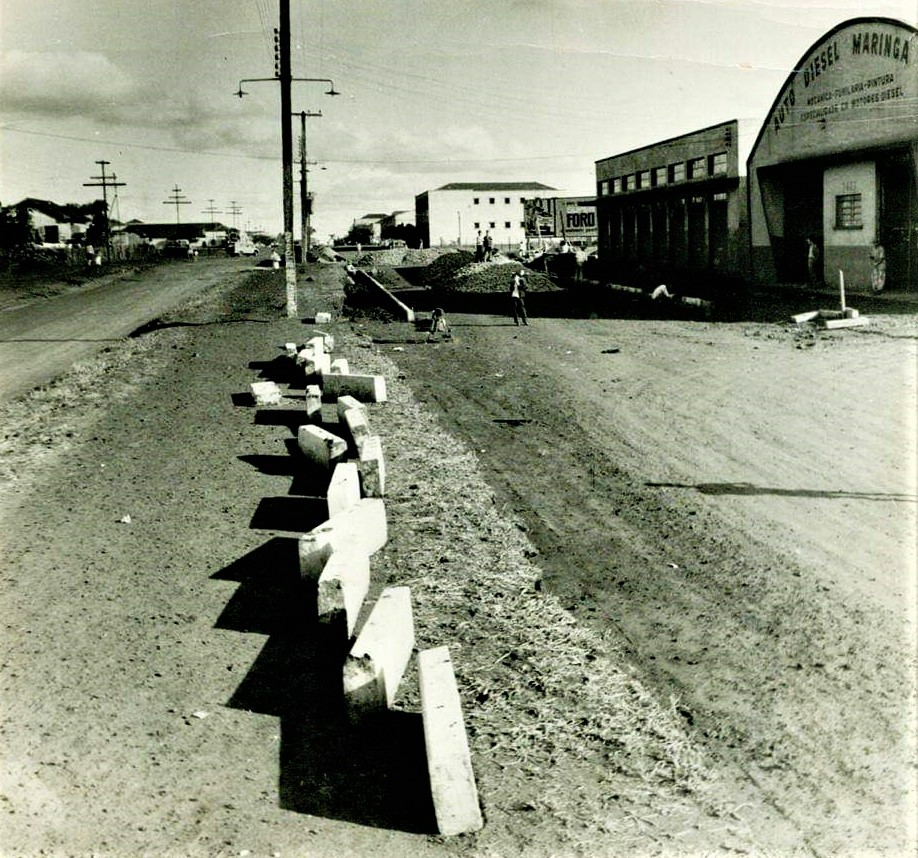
(432, 91)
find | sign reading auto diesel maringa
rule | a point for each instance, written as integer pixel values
(862, 65)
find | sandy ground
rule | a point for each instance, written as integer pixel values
(720, 516)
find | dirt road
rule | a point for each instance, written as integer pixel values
(739, 503)
(44, 338)
(699, 547)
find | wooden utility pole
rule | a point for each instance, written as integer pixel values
(105, 182)
(305, 201)
(287, 153)
(177, 199)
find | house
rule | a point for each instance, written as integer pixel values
(373, 223)
(56, 225)
(457, 212)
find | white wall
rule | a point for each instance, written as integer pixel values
(451, 211)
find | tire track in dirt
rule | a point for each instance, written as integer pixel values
(774, 671)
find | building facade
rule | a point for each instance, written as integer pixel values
(675, 209)
(455, 213)
(836, 161)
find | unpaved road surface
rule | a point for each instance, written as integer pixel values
(720, 518)
(44, 338)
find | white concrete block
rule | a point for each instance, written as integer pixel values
(266, 393)
(346, 402)
(372, 465)
(316, 363)
(323, 318)
(376, 663)
(320, 446)
(291, 349)
(356, 426)
(317, 344)
(344, 488)
(303, 355)
(449, 762)
(366, 388)
(362, 525)
(313, 403)
(340, 366)
(343, 586)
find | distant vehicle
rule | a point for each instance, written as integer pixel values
(177, 248)
(244, 247)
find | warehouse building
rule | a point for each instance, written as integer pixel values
(836, 162)
(675, 209)
(457, 212)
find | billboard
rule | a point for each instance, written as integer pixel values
(573, 218)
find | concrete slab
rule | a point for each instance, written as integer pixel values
(313, 403)
(356, 426)
(847, 323)
(317, 344)
(315, 363)
(343, 586)
(291, 349)
(340, 366)
(321, 446)
(449, 762)
(346, 402)
(372, 465)
(366, 388)
(376, 663)
(323, 318)
(344, 488)
(362, 525)
(266, 393)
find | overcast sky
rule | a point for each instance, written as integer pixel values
(433, 91)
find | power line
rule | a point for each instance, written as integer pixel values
(105, 182)
(177, 199)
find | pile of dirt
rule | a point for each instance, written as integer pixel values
(420, 256)
(458, 272)
(390, 256)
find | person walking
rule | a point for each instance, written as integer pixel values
(518, 297)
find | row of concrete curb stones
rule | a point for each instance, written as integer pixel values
(334, 558)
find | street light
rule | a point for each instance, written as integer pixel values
(285, 79)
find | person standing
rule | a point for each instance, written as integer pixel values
(479, 248)
(812, 263)
(487, 246)
(518, 297)
(878, 267)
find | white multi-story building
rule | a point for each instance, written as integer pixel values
(457, 212)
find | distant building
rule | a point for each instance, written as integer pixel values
(674, 209)
(455, 213)
(209, 233)
(373, 223)
(54, 224)
(837, 161)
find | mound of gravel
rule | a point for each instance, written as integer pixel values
(448, 275)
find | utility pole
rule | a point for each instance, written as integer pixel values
(282, 74)
(234, 210)
(105, 182)
(177, 199)
(305, 200)
(211, 211)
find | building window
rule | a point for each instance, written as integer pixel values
(475, 201)
(477, 225)
(659, 176)
(848, 212)
(492, 224)
(523, 200)
(522, 224)
(506, 224)
(717, 164)
(677, 172)
(507, 201)
(696, 168)
(720, 198)
(617, 185)
(643, 179)
(491, 201)
(628, 182)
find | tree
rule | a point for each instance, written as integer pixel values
(15, 236)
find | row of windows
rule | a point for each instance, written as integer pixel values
(493, 225)
(695, 168)
(493, 200)
(848, 214)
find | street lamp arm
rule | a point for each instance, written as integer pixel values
(331, 84)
